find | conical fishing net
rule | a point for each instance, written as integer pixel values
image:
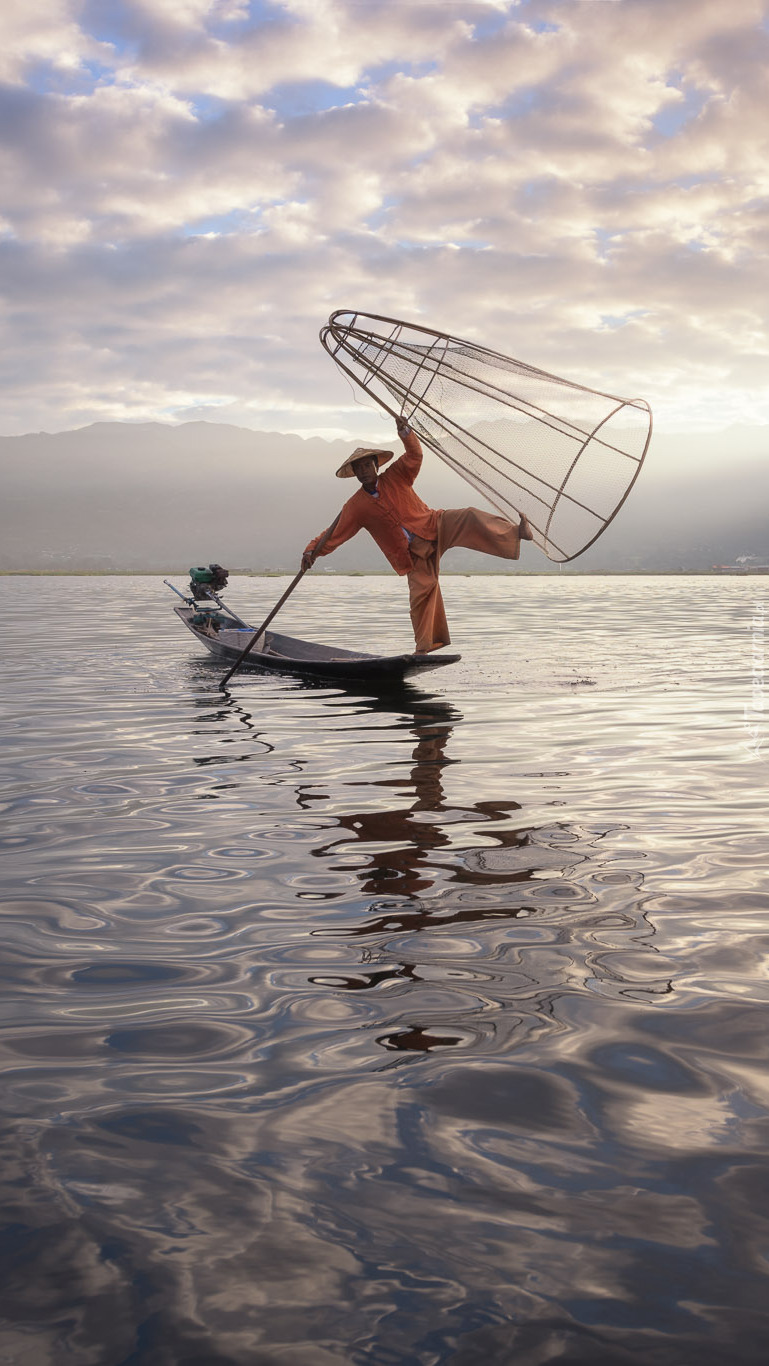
(530, 442)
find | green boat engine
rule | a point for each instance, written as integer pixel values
(207, 579)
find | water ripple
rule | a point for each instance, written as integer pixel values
(418, 1027)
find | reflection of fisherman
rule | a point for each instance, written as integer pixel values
(405, 846)
(400, 863)
(412, 535)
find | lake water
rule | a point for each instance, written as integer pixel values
(406, 1028)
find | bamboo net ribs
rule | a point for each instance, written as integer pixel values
(564, 454)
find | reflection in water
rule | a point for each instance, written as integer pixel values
(410, 837)
(342, 1028)
(431, 865)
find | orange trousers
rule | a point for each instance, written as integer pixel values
(468, 527)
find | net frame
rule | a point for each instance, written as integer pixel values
(361, 347)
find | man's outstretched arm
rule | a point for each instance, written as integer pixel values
(410, 463)
(347, 526)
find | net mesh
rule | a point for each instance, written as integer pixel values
(530, 442)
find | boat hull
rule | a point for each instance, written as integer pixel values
(289, 655)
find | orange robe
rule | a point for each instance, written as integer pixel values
(399, 509)
(385, 517)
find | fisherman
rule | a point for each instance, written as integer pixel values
(411, 535)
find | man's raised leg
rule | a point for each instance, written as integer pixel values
(476, 530)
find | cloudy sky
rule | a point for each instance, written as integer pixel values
(190, 187)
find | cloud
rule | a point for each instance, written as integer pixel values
(189, 188)
(44, 32)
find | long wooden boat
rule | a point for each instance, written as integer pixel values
(226, 636)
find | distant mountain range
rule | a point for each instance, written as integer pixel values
(148, 496)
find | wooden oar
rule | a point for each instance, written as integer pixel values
(277, 606)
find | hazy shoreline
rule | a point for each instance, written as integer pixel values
(383, 574)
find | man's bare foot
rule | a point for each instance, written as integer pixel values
(525, 532)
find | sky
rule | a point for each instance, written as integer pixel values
(190, 188)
